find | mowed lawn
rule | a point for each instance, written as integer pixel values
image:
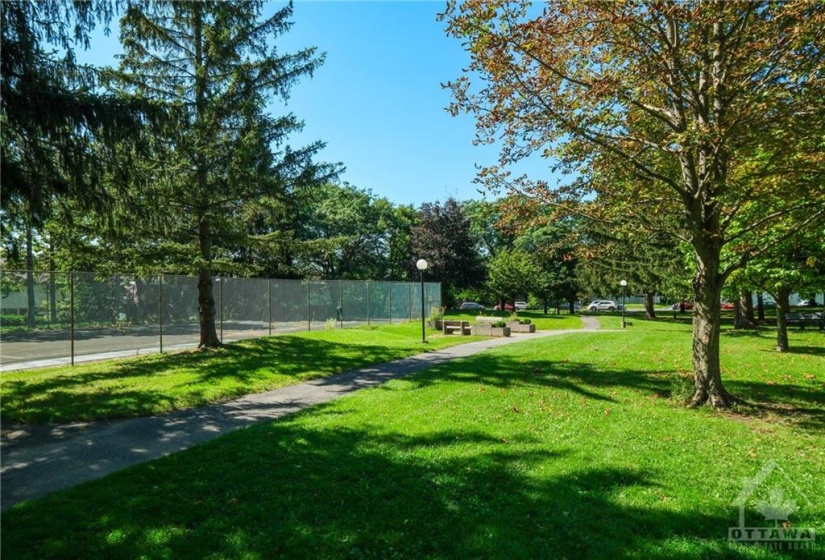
(158, 384)
(575, 446)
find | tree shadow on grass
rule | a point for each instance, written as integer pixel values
(802, 405)
(285, 490)
(111, 391)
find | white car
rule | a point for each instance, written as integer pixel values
(602, 305)
(520, 305)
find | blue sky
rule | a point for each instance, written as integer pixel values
(377, 101)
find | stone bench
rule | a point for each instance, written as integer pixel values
(456, 327)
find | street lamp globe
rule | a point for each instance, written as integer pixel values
(421, 265)
(623, 283)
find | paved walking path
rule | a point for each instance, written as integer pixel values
(40, 460)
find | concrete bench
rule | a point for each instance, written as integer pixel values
(485, 319)
(456, 327)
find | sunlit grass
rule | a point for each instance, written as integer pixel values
(161, 383)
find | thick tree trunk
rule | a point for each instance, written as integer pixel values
(572, 306)
(782, 297)
(707, 288)
(650, 312)
(747, 300)
(741, 319)
(206, 300)
(760, 307)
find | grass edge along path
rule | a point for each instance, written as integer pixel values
(37, 462)
(159, 384)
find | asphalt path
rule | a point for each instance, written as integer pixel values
(44, 459)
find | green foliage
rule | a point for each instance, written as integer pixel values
(443, 238)
(436, 313)
(512, 274)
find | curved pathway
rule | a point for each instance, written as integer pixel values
(39, 460)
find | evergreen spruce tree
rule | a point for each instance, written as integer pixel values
(214, 66)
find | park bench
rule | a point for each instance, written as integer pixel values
(802, 319)
(456, 327)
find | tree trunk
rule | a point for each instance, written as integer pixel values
(741, 320)
(747, 299)
(782, 297)
(650, 312)
(760, 307)
(572, 307)
(206, 300)
(30, 310)
(707, 288)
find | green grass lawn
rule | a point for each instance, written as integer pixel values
(575, 446)
(161, 383)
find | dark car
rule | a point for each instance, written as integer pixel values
(471, 305)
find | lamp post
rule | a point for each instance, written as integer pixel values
(421, 265)
(623, 284)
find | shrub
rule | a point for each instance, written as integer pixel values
(10, 320)
(499, 324)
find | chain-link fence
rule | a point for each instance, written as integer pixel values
(58, 317)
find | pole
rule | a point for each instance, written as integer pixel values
(160, 312)
(624, 292)
(220, 279)
(368, 302)
(269, 290)
(423, 326)
(71, 315)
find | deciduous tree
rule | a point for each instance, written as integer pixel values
(704, 105)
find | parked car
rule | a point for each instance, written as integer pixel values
(726, 305)
(603, 305)
(507, 307)
(808, 303)
(471, 305)
(520, 305)
(682, 305)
